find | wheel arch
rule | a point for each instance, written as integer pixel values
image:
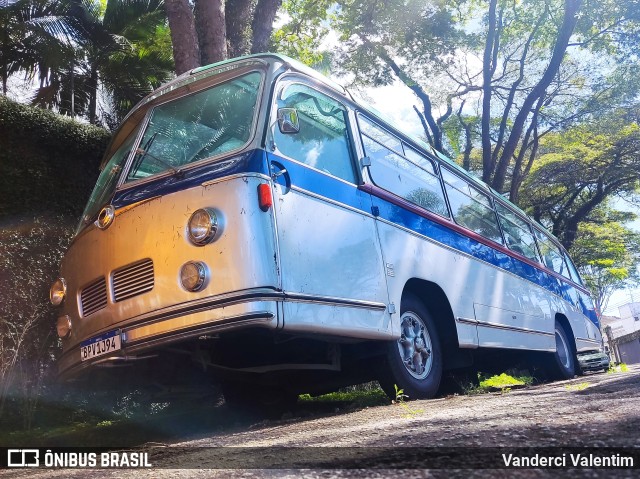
(435, 300)
(566, 325)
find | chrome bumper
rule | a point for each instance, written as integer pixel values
(141, 335)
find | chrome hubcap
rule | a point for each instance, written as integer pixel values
(562, 350)
(414, 346)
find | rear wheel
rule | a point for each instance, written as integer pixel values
(563, 362)
(415, 360)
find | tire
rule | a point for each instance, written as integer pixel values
(414, 362)
(563, 363)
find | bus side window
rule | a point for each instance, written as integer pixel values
(323, 140)
(395, 173)
(517, 233)
(471, 208)
(575, 276)
(551, 254)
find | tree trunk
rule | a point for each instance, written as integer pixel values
(238, 19)
(488, 67)
(212, 30)
(183, 35)
(262, 25)
(93, 94)
(5, 41)
(571, 9)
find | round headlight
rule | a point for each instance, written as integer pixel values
(193, 276)
(58, 291)
(203, 226)
(105, 217)
(63, 325)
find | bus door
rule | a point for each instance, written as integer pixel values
(330, 262)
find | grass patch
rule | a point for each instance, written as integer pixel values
(359, 397)
(618, 368)
(503, 382)
(577, 387)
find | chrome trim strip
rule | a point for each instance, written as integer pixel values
(234, 177)
(513, 328)
(588, 340)
(467, 321)
(354, 303)
(190, 331)
(124, 209)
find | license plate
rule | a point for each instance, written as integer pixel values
(104, 344)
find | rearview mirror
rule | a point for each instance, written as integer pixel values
(288, 120)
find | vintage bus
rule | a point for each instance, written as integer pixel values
(255, 225)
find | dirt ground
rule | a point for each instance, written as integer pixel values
(596, 410)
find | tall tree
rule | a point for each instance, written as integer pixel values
(527, 69)
(410, 41)
(215, 30)
(607, 255)
(580, 170)
(122, 53)
(35, 34)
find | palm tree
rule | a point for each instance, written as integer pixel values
(35, 35)
(123, 53)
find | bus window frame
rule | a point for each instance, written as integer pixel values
(491, 203)
(403, 144)
(206, 85)
(289, 79)
(527, 222)
(561, 250)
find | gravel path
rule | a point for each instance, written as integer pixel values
(599, 410)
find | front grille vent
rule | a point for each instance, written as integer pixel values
(133, 280)
(94, 297)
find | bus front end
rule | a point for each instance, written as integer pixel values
(177, 243)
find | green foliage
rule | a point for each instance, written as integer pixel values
(29, 260)
(48, 163)
(608, 255)
(417, 34)
(36, 36)
(580, 169)
(357, 397)
(87, 54)
(301, 36)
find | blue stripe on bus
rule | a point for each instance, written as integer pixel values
(251, 161)
(255, 161)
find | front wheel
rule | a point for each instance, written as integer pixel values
(415, 360)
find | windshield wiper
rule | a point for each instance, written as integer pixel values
(161, 162)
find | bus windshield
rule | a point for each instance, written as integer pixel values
(199, 126)
(195, 127)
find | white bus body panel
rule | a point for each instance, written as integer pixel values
(492, 307)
